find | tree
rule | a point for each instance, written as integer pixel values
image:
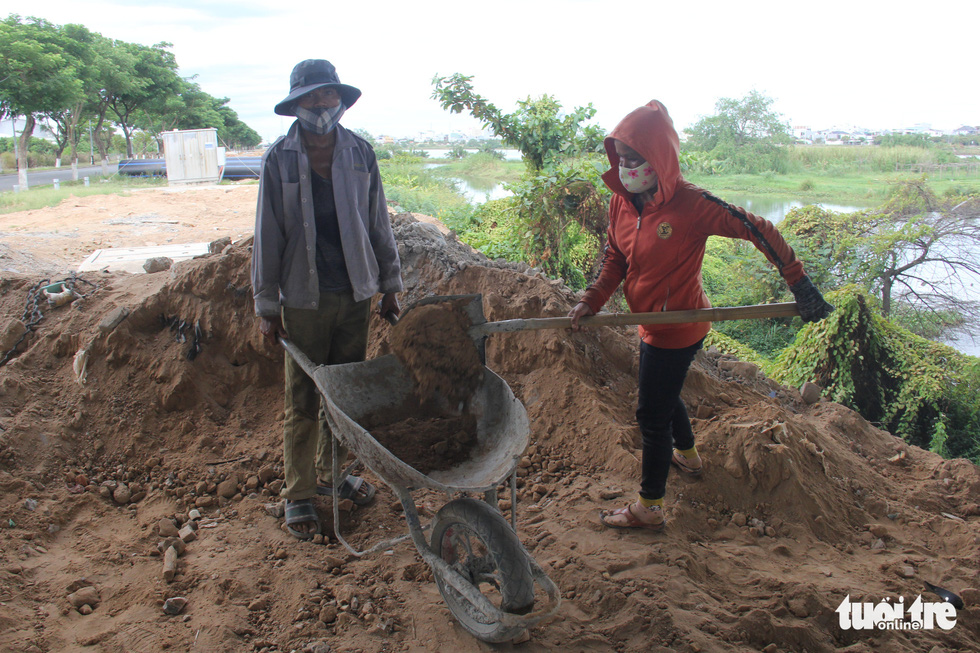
(79, 45)
(36, 76)
(746, 133)
(153, 74)
(538, 129)
(917, 248)
(560, 201)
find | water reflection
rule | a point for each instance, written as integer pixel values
(775, 209)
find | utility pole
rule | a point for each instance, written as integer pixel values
(91, 146)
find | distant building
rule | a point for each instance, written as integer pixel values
(966, 130)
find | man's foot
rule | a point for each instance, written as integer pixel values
(689, 466)
(354, 488)
(635, 515)
(302, 520)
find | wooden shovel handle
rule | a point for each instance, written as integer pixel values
(757, 311)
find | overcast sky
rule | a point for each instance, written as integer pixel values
(860, 63)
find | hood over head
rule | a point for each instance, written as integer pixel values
(650, 131)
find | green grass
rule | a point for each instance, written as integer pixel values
(44, 196)
(483, 165)
(837, 188)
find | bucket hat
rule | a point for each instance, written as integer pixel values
(310, 75)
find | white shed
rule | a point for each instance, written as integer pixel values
(193, 156)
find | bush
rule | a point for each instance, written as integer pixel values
(922, 391)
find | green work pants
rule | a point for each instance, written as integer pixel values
(334, 333)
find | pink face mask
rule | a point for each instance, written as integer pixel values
(639, 179)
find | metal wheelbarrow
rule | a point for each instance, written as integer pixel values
(483, 572)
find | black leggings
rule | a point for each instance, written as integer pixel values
(660, 413)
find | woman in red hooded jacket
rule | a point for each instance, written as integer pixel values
(658, 226)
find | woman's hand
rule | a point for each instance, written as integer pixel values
(578, 311)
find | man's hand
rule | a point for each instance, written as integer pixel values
(578, 311)
(271, 328)
(389, 304)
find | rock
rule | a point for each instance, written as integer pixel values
(267, 474)
(174, 542)
(85, 609)
(87, 595)
(878, 530)
(166, 528)
(970, 596)
(217, 246)
(747, 371)
(228, 488)
(328, 614)
(276, 509)
(121, 494)
(194, 514)
(174, 606)
(610, 493)
(280, 554)
(811, 392)
(331, 562)
(878, 544)
(739, 519)
(906, 571)
(252, 484)
(11, 333)
(798, 607)
(157, 264)
(204, 502)
(258, 604)
(187, 534)
(114, 319)
(170, 564)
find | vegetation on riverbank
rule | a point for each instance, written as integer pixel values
(42, 196)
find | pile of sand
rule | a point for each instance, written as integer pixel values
(799, 505)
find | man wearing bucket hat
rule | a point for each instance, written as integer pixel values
(323, 248)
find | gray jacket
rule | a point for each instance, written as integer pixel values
(284, 252)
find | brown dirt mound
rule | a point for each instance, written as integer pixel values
(799, 505)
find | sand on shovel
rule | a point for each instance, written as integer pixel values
(432, 343)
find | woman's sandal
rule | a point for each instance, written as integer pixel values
(354, 488)
(680, 462)
(301, 511)
(632, 521)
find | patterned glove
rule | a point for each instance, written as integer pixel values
(812, 305)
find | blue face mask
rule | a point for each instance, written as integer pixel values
(320, 121)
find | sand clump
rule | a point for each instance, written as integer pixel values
(431, 341)
(799, 505)
(429, 444)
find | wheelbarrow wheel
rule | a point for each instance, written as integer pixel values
(480, 545)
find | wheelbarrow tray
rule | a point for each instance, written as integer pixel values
(357, 393)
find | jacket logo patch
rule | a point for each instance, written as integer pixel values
(360, 167)
(664, 230)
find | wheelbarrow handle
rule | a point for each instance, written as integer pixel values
(304, 361)
(788, 309)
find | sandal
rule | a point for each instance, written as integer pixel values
(354, 488)
(681, 463)
(632, 521)
(301, 511)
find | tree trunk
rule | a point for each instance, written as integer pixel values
(24, 139)
(886, 294)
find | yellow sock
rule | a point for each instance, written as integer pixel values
(650, 503)
(691, 453)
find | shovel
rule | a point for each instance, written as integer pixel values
(472, 306)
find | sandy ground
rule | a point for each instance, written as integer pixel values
(799, 507)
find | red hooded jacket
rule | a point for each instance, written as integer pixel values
(657, 254)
